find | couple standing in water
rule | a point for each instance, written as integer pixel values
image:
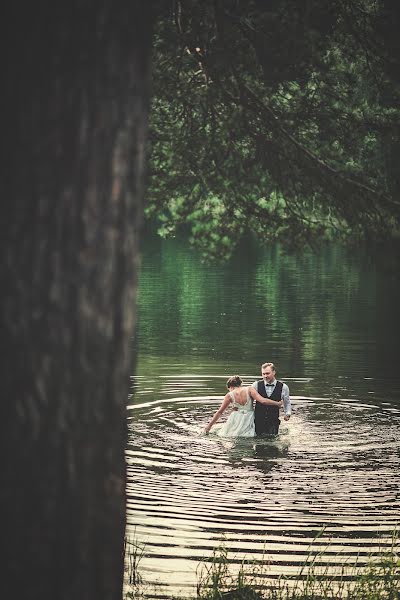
(247, 420)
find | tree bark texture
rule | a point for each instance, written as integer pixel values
(75, 109)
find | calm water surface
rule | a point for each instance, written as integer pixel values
(330, 322)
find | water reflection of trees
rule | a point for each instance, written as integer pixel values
(306, 311)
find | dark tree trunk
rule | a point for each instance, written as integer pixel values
(76, 95)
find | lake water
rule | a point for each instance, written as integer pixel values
(330, 323)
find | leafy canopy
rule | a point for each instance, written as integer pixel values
(279, 117)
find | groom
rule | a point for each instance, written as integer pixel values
(266, 418)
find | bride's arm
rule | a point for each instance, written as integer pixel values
(225, 403)
(256, 396)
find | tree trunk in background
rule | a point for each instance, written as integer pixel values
(75, 87)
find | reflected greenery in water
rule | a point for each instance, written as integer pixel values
(330, 312)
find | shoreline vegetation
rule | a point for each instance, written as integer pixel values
(372, 577)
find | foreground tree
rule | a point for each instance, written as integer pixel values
(75, 94)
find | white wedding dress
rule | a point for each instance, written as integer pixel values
(240, 422)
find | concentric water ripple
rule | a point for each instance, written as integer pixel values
(334, 466)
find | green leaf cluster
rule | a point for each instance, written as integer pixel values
(279, 118)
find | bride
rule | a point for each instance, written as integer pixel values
(240, 422)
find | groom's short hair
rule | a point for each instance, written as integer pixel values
(269, 364)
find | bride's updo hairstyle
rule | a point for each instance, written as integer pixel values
(234, 381)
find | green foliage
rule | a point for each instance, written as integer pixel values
(220, 578)
(217, 581)
(283, 121)
(379, 579)
(134, 552)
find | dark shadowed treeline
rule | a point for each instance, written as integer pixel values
(279, 117)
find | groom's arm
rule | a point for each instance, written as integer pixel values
(255, 386)
(287, 405)
(256, 396)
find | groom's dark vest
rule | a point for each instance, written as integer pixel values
(263, 413)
